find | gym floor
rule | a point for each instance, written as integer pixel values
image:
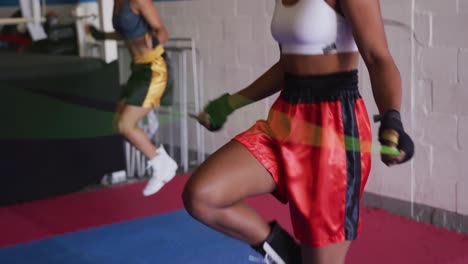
(118, 225)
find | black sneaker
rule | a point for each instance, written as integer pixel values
(280, 247)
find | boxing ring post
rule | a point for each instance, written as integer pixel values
(106, 8)
(183, 51)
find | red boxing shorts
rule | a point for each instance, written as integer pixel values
(316, 143)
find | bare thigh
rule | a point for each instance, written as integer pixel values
(330, 254)
(131, 114)
(128, 127)
(229, 175)
(120, 106)
(118, 113)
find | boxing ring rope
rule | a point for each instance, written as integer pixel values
(19, 20)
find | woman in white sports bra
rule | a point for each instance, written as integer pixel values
(314, 149)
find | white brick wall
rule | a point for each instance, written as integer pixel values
(440, 105)
(450, 30)
(432, 59)
(463, 65)
(461, 187)
(437, 6)
(438, 189)
(450, 99)
(463, 6)
(463, 132)
(234, 40)
(424, 92)
(423, 28)
(440, 130)
(441, 83)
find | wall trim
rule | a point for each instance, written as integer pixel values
(421, 213)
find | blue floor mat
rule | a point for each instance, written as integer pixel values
(169, 238)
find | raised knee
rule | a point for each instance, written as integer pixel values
(198, 199)
(192, 199)
(124, 127)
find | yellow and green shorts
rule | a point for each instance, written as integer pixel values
(150, 84)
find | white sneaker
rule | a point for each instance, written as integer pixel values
(164, 170)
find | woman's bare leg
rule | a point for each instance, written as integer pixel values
(215, 192)
(330, 254)
(128, 127)
(118, 113)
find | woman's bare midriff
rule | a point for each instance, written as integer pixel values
(139, 46)
(319, 64)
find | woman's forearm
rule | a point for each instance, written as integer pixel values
(112, 36)
(160, 35)
(266, 85)
(386, 84)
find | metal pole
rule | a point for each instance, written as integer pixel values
(19, 20)
(183, 110)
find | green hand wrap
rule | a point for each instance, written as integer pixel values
(219, 109)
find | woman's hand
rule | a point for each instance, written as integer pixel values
(397, 145)
(101, 35)
(216, 113)
(390, 155)
(94, 32)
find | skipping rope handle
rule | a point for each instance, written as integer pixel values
(391, 120)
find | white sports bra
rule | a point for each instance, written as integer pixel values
(311, 27)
